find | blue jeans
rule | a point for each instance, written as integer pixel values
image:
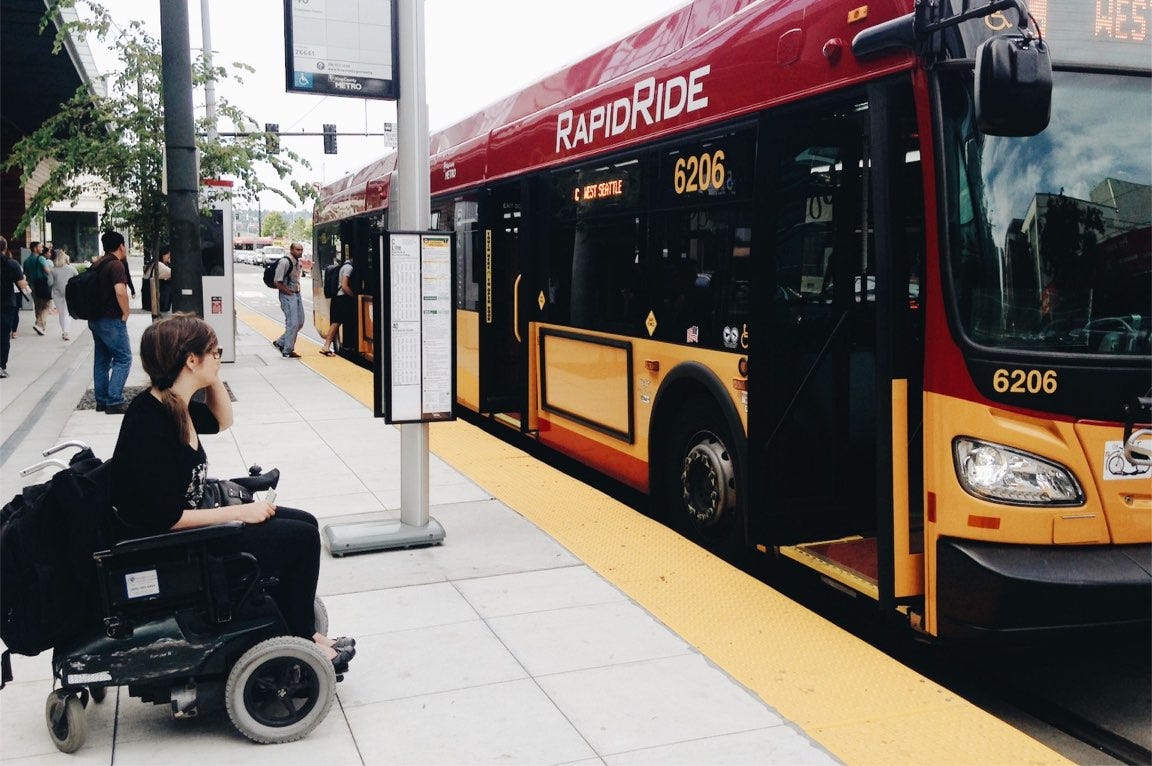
(113, 359)
(293, 308)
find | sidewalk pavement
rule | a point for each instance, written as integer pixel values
(497, 646)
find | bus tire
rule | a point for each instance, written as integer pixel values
(699, 476)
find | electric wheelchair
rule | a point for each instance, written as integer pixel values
(183, 626)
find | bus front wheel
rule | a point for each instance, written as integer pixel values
(698, 477)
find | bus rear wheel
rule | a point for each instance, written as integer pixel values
(699, 476)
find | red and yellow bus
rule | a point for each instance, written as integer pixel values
(833, 281)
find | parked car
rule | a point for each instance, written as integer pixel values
(271, 254)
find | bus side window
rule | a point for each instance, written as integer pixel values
(701, 271)
(469, 269)
(606, 280)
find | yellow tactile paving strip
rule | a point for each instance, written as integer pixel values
(862, 706)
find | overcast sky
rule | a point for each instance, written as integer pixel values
(477, 51)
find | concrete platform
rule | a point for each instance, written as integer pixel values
(522, 639)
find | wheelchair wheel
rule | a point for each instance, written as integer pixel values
(67, 724)
(280, 690)
(321, 616)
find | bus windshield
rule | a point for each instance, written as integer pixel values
(1050, 237)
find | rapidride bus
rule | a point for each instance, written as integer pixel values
(866, 287)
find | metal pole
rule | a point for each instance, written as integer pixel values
(414, 211)
(210, 86)
(180, 150)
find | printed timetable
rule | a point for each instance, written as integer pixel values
(416, 372)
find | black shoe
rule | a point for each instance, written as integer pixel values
(343, 642)
(342, 658)
(279, 346)
(116, 409)
(99, 407)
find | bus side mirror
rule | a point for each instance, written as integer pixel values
(1013, 86)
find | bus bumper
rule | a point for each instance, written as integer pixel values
(992, 589)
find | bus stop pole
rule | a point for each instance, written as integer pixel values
(413, 214)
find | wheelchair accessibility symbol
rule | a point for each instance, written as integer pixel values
(1117, 465)
(303, 80)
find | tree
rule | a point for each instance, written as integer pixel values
(118, 138)
(275, 225)
(300, 230)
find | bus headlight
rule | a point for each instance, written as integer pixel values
(1004, 475)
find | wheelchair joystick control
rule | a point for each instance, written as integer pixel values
(254, 470)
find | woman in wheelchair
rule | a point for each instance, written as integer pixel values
(159, 469)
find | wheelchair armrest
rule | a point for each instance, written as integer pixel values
(173, 539)
(260, 482)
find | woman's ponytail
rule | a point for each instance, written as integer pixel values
(164, 350)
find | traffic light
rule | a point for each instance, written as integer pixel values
(272, 137)
(329, 139)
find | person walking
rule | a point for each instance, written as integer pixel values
(343, 309)
(113, 351)
(291, 303)
(12, 287)
(62, 271)
(38, 272)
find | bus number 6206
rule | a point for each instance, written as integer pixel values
(1024, 381)
(699, 173)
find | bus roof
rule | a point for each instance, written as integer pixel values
(707, 61)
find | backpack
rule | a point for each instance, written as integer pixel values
(83, 295)
(270, 272)
(48, 533)
(332, 280)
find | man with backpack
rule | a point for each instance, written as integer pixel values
(109, 326)
(342, 309)
(38, 271)
(287, 281)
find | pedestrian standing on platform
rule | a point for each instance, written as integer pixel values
(12, 287)
(291, 303)
(161, 268)
(113, 351)
(165, 270)
(342, 310)
(38, 272)
(63, 271)
(14, 251)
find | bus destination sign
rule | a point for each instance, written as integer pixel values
(341, 48)
(1092, 32)
(606, 189)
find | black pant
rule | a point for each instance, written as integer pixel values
(9, 317)
(287, 546)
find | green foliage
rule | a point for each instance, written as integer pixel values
(275, 225)
(300, 230)
(118, 139)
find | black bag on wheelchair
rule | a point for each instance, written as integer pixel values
(48, 589)
(222, 492)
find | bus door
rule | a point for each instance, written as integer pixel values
(817, 425)
(503, 329)
(839, 333)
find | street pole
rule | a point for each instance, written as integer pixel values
(413, 215)
(210, 86)
(180, 150)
